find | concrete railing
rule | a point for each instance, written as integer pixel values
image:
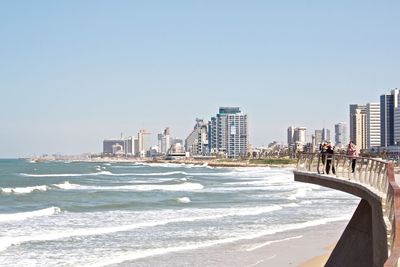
(376, 175)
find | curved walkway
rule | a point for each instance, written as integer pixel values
(372, 237)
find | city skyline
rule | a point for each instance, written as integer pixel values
(74, 73)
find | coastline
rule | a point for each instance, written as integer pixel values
(297, 248)
(217, 163)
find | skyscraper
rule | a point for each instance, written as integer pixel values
(164, 141)
(358, 125)
(300, 135)
(197, 141)
(388, 104)
(326, 134)
(340, 134)
(373, 125)
(290, 135)
(142, 144)
(231, 133)
(318, 137)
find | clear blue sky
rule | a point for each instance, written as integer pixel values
(75, 72)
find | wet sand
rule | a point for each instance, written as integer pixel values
(298, 248)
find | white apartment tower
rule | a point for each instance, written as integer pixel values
(164, 141)
(374, 125)
(300, 135)
(142, 143)
(358, 125)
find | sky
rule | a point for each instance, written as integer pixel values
(73, 73)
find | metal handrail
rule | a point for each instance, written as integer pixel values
(373, 173)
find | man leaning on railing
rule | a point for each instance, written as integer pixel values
(330, 150)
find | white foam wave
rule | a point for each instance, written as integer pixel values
(183, 200)
(67, 186)
(300, 193)
(24, 190)
(65, 174)
(139, 254)
(146, 174)
(8, 241)
(29, 214)
(149, 187)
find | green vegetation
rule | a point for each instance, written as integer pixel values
(273, 161)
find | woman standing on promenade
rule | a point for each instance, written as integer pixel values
(353, 154)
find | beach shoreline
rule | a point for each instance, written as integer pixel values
(307, 247)
(217, 163)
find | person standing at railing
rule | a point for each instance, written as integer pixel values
(330, 150)
(353, 154)
(322, 150)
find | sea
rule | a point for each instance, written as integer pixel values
(126, 214)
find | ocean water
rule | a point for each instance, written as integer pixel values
(114, 214)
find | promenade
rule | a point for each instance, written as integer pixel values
(372, 236)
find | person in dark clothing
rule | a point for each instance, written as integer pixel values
(322, 150)
(329, 159)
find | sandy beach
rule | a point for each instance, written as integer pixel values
(309, 247)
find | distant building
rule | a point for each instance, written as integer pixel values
(373, 125)
(142, 143)
(388, 104)
(326, 134)
(318, 138)
(340, 134)
(212, 135)
(290, 135)
(358, 125)
(229, 132)
(164, 141)
(300, 136)
(197, 141)
(121, 146)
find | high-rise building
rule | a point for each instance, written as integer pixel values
(388, 104)
(164, 141)
(290, 135)
(300, 135)
(197, 141)
(356, 129)
(212, 135)
(318, 138)
(119, 146)
(373, 125)
(326, 134)
(230, 135)
(358, 125)
(340, 134)
(142, 143)
(360, 119)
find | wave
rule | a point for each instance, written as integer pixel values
(104, 172)
(147, 174)
(300, 193)
(183, 200)
(118, 258)
(66, 174)
(24, 190)
(6, 242)
(66, 186)
(29, 214)
(147, 187)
